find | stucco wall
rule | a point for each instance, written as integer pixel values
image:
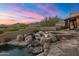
(78, 21)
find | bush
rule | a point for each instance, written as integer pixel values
(11, 29)
(50, 21)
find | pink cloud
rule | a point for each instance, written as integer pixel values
(29, 12)
(46, 9)
(19, 14)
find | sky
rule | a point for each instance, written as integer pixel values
(11, 13)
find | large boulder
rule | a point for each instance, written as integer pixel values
(41, 33)
(42, 40)
(20, 37)
(28, 39)
(46, 47)
(35, 43)
(48, 37)
(37, 36)
(37, 50)
(51, 37)
(25, 35)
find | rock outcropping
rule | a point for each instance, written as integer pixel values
(47, 43)
(37, 41)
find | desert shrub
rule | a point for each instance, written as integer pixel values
(10, 29)
(49, 21)
(23, 26)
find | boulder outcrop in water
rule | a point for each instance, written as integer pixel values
(38, 41)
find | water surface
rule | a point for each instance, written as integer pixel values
(9, 50)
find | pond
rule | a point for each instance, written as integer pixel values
(9, 50)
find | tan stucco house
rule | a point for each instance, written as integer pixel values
(72, 22)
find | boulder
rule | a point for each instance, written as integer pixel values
(37, 50)
(25, 35)
(41, 33)
(35, 43)
(46, 47)
(42, 40)
(33, 36)
(37, 36)
(20, 37)
(28, 39)
(43, 54)
(51, 37)
(48, 37)
(30, 48)
(46, 34)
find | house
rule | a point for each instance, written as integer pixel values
(72, 22)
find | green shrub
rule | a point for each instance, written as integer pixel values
(49, 21)
(11, 29)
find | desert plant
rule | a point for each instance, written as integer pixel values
(10, 29)
(50, 21)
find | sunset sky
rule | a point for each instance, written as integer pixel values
(29, 13)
